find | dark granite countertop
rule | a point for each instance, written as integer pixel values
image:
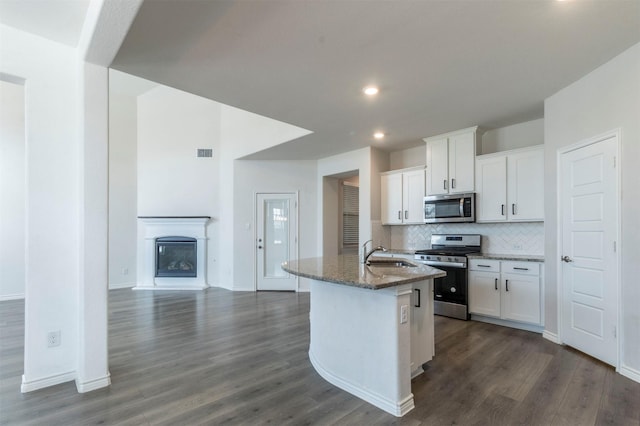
(347, 270)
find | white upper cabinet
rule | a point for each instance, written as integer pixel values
(510, 186)
(402, 193)
(451, 161)
(391, 196)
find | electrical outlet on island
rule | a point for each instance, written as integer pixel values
(517, 247)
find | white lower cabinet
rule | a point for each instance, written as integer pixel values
(422, 331)
(505, 289)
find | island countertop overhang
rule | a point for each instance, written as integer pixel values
(347, 270)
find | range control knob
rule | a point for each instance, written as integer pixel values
(453, 290)
(439, 258)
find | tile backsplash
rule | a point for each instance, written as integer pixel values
(497, 238)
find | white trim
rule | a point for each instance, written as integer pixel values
(617, 134)
(296, 242)
(122, 285)
(56, 379)
(507, 323)
(94, 384)
(398, 409)
(630, 373)
(15, 296)
(552, 337)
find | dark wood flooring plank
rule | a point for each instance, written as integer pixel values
(219, 357)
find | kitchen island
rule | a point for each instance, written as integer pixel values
(371, 327)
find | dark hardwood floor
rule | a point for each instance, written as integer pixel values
(219, 357)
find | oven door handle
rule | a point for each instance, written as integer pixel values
(456, 265)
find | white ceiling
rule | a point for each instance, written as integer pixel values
(441, 65)
(57, 20)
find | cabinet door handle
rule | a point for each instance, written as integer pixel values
(496, 284)
(399, 214)
(406, 214)
(502, 210)
(417, 305)
(444, 184)
(513, 209)
(521, 269)
(506, 285)
(453, 183)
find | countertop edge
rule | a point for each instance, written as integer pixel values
(515, 257)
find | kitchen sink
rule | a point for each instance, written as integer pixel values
(390, 263)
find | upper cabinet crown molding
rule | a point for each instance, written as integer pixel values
(451, 161)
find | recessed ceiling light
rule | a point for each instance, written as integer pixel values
(370, 90)
(378, 135)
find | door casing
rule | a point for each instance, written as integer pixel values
(296, 243)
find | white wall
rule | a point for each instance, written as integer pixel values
(519, 135)
(12, 191)
(256, 132)
(606, 99)
(123, 209)
(251, 177)
(411, 157)
(243, 133)
(51, 71)
(172, 180)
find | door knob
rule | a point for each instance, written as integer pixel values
(566, 259)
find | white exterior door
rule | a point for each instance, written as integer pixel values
(276, 240)
(589, 266)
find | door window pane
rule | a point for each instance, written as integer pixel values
(276, 231)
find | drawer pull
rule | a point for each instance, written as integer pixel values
(521, 269)
(484, 266)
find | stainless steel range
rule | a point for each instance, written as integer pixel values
(448, 252)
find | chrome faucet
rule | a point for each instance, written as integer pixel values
(366, 256)
(364, 251)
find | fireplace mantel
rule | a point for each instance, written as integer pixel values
(173, 226)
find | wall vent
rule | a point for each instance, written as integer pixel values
(205, 152)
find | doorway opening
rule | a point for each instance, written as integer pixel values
(341, 213)
(276, 240)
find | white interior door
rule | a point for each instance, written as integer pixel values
(276, 240)
(589, 271)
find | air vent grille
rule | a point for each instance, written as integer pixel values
(205, 152)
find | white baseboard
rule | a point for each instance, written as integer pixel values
(552, 337)
(46, 381)
(94, 384)
(397, 408)
(630, 373)
(121, 285)
(505, 323)
(15, 296)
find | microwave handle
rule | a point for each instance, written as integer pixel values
(461, 206)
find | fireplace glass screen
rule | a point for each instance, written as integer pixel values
(176, 257)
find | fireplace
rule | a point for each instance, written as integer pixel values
(176, 257)
(172, 252)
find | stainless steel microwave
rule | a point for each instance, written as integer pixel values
(450, 208)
